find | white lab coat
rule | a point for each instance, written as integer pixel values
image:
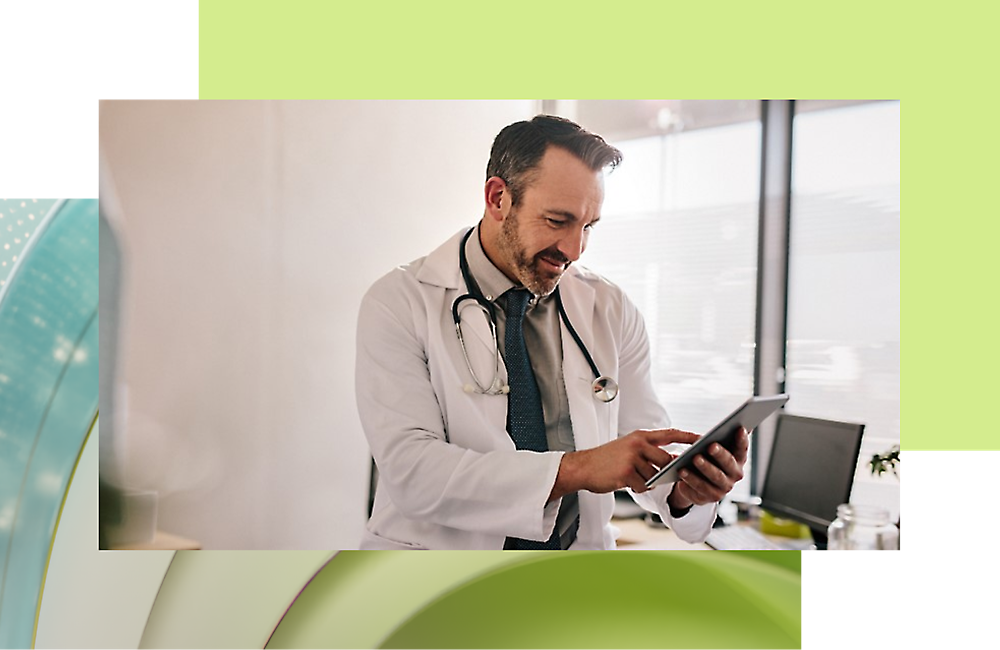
(449, 474)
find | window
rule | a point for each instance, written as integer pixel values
(679, 235)
(843, 294)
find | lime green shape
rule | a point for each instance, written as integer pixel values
(362, 595)
(615, 600)
(600, 599)
(317, 49)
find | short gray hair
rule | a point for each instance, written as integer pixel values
(519, 147)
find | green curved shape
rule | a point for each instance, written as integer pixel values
(790, 560)
(48, 398)
(360, 596)
(227, 599)
(622, 600)
(603, 599)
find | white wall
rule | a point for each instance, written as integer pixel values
(252, 229)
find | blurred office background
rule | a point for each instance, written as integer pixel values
(251, 230)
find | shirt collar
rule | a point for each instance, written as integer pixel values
(491, 280)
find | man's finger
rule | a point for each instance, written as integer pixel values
(710, 471)
(655, 455)
(742, 446)
(687, 491)
(660, 437)
(645, 470)
(701, 491)
(725, 461)
(636, 483)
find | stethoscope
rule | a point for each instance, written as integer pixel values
(604, 388)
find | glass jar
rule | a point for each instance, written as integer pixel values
(863, 528)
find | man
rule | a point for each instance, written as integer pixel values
(495, 434)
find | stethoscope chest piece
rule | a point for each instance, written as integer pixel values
(605, 389)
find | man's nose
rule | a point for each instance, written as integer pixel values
(573, 244)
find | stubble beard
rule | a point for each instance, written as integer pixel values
(538, 282)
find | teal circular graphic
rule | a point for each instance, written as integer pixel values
(48, 388)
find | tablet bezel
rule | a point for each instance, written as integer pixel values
(749, 415)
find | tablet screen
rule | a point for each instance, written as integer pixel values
(754, 411)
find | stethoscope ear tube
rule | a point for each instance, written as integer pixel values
(482, 303)
(576, 337)
(495, 388)
(605, 388)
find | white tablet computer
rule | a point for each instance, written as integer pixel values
(754, 411)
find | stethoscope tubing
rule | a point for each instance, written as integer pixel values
(605, 388)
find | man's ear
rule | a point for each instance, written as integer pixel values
(497, 196)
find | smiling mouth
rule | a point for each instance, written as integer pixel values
(553, 264)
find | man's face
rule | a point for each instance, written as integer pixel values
(548, 230)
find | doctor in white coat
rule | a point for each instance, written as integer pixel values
(450, 474)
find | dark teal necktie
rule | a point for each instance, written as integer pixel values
(525, 420)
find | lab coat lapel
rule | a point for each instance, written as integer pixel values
(440, 268)
(578, 298)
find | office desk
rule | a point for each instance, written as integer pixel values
(637, 535)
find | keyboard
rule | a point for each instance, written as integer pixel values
(740, 538)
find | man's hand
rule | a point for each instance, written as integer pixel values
(717, 473)
(628, 461)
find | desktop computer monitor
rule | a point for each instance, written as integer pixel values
(811, 470)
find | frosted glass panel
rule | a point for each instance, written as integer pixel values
(680, 236)
(843, 304)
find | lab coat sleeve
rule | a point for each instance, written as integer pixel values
(641, 409)
(429, 479)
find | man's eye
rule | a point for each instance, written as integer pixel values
(555, 223)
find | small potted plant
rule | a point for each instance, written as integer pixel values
(886, 462)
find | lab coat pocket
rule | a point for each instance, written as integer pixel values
(588, 418)
(373, 542)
